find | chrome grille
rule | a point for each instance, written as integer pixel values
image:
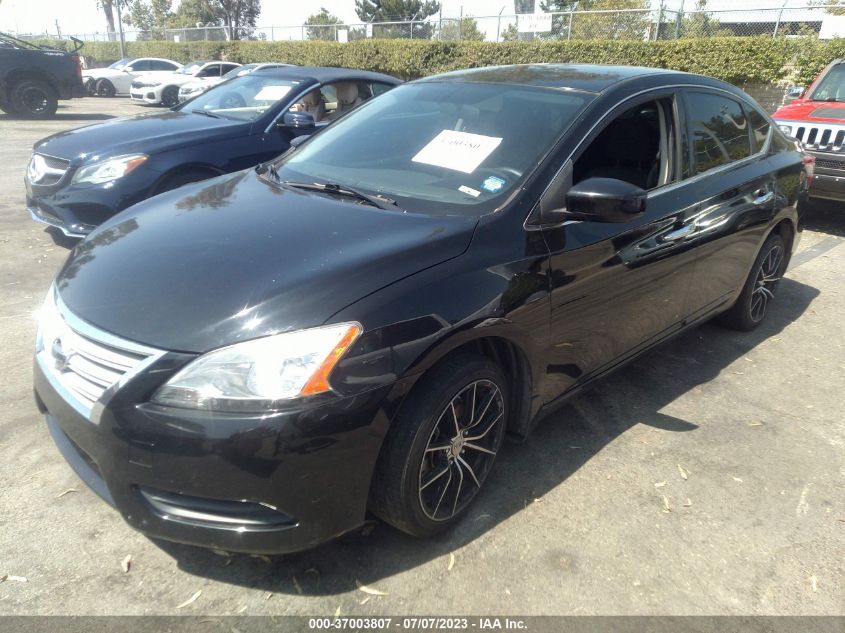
(85, 364)
(46, 170)
(829, 163)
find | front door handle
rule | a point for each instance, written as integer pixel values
(763, 197)
(678, 234)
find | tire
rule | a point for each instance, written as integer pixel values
(7, 108)
(91, 87)
(105, 88)
(170, 96)
(33, 99)
(751, 307)
(427, 473)
(187, 176)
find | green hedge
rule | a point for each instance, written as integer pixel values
(734, 59)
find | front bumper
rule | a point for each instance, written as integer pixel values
(276, 483)
(76, 210)
(151, 96)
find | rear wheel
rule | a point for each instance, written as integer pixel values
(105, 88)
(442, 446)
(33, 99)
(751, 307)
(170, 96)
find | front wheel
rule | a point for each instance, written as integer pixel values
(751, 307)
(170, 96)
(105, 88)
(441, 446)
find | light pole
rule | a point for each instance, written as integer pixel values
(120, 31)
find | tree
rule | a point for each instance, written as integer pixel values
(239, 16)
(322, 25)
(510, 34)
(396, 11)
(149, 17)
(193, 12)
(701, 24)
(464, 29)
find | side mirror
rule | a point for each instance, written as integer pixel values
(298, 121)
(128, 69)
(605, 200)
(795, 92)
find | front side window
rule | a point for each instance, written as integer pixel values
(637, 147)
(156, 64)
(439, 147)
(719, 130)
(212, 70)
(140, 65)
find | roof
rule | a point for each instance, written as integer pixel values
(586, 77)
(324, 74)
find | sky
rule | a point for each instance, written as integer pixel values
(83, 16)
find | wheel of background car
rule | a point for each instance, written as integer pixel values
(752, 306)
(33, 99)
(232, 100)
(441, 446)
(7, 108)
(170, 96)
(105, 88)
(91, 87)
(184, 177)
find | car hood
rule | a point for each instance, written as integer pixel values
(203, 83)
(235, 258)
(817, 111)
(148, 133)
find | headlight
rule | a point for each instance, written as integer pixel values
(110, 169)
(786, 129)
(260, 374)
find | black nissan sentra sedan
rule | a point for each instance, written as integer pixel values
(78, 179)
(253, 362)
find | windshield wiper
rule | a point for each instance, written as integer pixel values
(207, 113)
(382, 202)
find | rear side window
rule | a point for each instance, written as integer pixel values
(156, 64)
(719, 131)
(759, 128)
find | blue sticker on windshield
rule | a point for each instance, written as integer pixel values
(492, 184)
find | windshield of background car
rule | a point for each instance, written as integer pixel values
(120, 63)
(439, 148)
(243, 98)
(832, 85)
(190, 69)
(240, 70)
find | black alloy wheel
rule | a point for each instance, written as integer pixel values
(442, 446)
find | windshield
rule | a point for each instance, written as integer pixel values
(243, 98)
(439, 148)
(190, 69)
(120, 63)
(832, 85)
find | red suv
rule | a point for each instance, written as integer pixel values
(817, 119)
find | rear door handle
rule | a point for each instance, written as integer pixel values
(678, 234)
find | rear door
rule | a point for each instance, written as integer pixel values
(734, 180)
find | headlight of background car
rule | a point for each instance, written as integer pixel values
(260, 374)
(110, 169)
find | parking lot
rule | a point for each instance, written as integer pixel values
(707, 477)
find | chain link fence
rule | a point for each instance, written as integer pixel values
(653, 24)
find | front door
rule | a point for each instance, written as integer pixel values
(617, 286)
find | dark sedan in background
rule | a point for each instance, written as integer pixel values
(80, 178)
(253, 362)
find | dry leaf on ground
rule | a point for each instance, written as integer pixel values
(683, 471)
(126, 563)
(373, 592)
(191, 600)
(68, 491)
(451, 561)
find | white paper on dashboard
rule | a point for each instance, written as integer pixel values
(460, 151)
(272, 93)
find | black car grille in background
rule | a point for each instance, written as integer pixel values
(829, 163)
